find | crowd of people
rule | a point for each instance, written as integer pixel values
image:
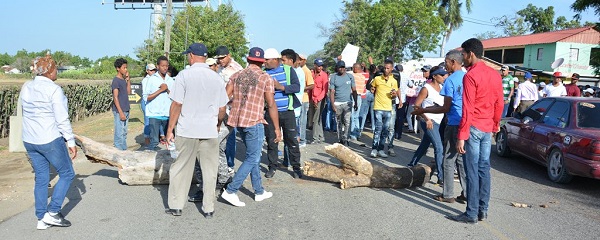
(199, 111)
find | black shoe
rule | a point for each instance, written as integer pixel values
(174, 212)
(298, 173)
(270, 173)
(209, 215)
(462, 199)
(221, 186)
(197, 197)
(462, 218)
(482, 216)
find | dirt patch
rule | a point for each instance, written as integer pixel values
(17, 178)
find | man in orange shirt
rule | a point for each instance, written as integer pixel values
(359, 79)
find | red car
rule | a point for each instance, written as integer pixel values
(561, 133)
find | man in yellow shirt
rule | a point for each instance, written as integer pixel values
(386, 89)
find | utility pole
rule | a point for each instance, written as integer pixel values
(168, 27)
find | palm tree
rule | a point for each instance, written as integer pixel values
(450, 12)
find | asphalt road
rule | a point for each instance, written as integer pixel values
(100, 208)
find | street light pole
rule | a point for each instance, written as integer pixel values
(168, 28)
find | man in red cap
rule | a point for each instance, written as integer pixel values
(572, 89)
(556, 89)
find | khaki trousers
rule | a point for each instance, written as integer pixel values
(206, 152)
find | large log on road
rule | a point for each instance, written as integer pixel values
(355, 171)
(135, 167)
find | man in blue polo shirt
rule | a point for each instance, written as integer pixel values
(286, 85)
(158, 102)
(452, 92)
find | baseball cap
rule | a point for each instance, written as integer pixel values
(150, 67)
(504, 67)
(197, 49)
(340, 64)
(302, 56)
(528, 75)
(575, 76)
(542, 84)
(256, 54)
(589, 90)
(439, 71)
(272, 53)
(388, 59)
(426, 68)
(221, 52)
(399, 68)
(211, 61)
(558, 75)
(319, 62)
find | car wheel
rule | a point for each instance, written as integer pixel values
(557, 171)
(502, 148)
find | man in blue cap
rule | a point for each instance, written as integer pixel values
(318, 94)
(527, 94)
(198, 108)
(342, 94)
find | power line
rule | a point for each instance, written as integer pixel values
(479, 23)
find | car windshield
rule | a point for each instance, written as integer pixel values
(588, 115)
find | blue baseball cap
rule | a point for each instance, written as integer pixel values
(256, 54)
(319, 62)
(340, 64)
(528, 75)
(439, 71)
(197, 49)
(426, 68)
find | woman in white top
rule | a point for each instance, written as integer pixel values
(46, 128)
(430, 122)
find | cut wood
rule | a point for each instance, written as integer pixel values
(135, 167)
(355, 171)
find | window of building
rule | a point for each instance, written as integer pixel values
(574, 54)
(540, 54)
(514, 55)
(594, 52)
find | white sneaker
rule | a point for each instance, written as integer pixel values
(41, 225)
(373, 153)
(56, 219)
(232, 198)
(260, 197)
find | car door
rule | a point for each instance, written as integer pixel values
(520, 136)
(550, 130)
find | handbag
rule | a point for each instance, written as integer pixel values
(15, 136)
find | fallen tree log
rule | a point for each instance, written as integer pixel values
(358, 172)
(135, 167)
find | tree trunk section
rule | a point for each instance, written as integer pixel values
(358, 172)
(135, 167)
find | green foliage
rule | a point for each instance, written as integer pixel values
(6, 59)
(562, 23)
(512, 25)
(105, 67)
(541, 20)
(223, 26)
(398, 28)
(582, 5)
(487, 35)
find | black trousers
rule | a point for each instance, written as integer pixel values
(287, 122)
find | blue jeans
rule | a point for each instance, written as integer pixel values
(156, 125)
(431, 136)
(230, 148)
(253, 139)
(366, 108)
(120, 138)
(382, 119)
(42, 156)
(146, 120)
(477, 169)
(330, 124)
(391, 127)
(302, 122)
(505, 110)
(355, 128)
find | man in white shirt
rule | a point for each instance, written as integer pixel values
(556, 89)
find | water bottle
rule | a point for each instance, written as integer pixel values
(172, 150)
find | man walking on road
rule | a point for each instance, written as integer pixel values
(198, 109)
(386, 89)
(342, 93)
(483, 103)
(250, 89)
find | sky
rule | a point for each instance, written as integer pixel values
(91, 29)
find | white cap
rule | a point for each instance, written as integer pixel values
(589, 90)
(542, 84)
(211, 61)
(271, 53)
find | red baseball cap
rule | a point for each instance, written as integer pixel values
(558, 75)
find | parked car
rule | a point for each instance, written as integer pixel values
(561, 133)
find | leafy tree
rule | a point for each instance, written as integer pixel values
(541, 20)
(582, 5)
(562, 23)
(512, 25)
(487, 35)
(223, 26)
(6, 59)
(450, 12)
(401, 29)
(105, 65)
